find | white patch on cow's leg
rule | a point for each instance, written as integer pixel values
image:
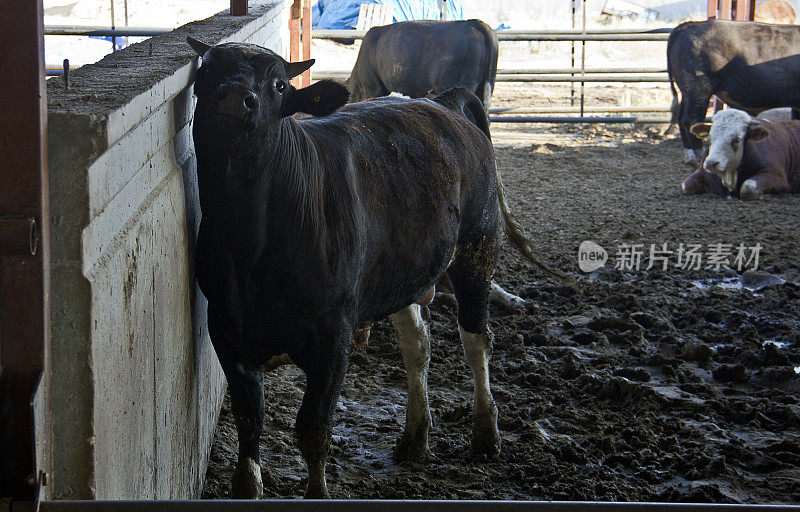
(749, 190)
(690, 156)
(508, 300)
(485, 435)
(246, 483)
(415, 344)
(487, 96)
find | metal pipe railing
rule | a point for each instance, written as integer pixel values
(78, 30)
(573, 110)
(579, 119)
(513, 77)
(528, 35)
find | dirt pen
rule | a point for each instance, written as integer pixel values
(635, 384)
(674, 385)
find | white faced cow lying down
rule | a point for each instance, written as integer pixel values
(313, 228)
(750, 66)
(746, 156)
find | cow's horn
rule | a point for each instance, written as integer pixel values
(199, 46)
(295, 68)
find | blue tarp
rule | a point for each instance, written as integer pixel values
(343, 14)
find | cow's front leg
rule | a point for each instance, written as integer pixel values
(247, 404)
(325, 368)
(414, 337)
(761, 184)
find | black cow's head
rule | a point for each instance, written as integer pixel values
(247, 85)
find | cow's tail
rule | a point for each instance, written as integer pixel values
(676, 106)
(463, 101)
(486, 87)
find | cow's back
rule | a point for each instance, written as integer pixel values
(750, 66)
(420, 171)
(416, 58)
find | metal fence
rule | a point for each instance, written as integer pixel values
(572, 75)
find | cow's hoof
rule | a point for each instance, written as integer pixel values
(486, 437)
(411, 448)
(247, 484)
(317, 493)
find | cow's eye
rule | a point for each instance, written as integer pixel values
(280, 86)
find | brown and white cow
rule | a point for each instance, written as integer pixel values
(746, 157)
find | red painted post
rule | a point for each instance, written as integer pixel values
(306, 26)
(713, 8)
(295, 49)
(24, 229)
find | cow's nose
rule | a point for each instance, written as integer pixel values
(235, 99)
(711, 165)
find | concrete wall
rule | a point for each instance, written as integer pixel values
(133, 385)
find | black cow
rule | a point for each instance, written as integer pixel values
(420, 58)
(314, 228)
(750, 66)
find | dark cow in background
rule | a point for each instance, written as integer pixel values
(421, 58)
(750, 66)
(747, 157)
(314, 228)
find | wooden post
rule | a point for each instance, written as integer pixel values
(306, 27)
(745, 10)
(300, 38)
(295, 13)
(238, 7)
(24, 242)
(713, 9)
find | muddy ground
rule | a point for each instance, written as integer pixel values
(676, 385)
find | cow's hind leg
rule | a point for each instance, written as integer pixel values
(325, 365)
(414, 338)
(471, 274)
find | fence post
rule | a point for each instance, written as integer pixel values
(295, 13)
(306, 35)
(238, 7)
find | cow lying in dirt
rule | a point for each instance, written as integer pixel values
(315, 228)
(746, 157)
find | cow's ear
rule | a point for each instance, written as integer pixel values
(319, 99)
(757, 132)
(197, 45)
(295, 68)
(700, 130)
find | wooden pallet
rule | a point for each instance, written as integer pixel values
(374, 15)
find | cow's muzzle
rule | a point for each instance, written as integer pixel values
(235, 99)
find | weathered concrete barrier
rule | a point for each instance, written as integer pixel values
(132, 386)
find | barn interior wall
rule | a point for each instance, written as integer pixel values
(135, 385)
